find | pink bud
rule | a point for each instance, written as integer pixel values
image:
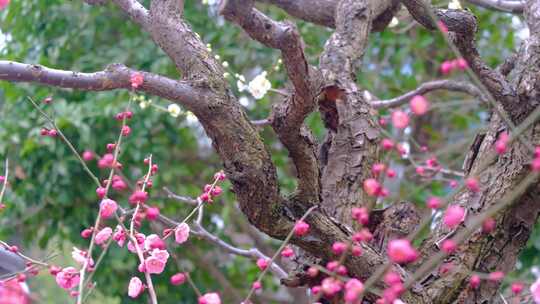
(152, 213)
(517, 287)
(378, 168)
(434, 202)
(448, 246)
(332, 265)
(53, 133)
(361, 215)
(472, 184)
(453, 216)
(86, 233)
(400, 119)
(216, 191)
(262, 264)
(500, 146)
(372, 187)
(106, 161)
(126, 130)
(119, 185)
(287, 252)
(154, 169)
(111, 147)
(205, 197)
(220, 176)
(401, 251)
(178, 279)
(136, 79)
(387, 144)
(446, 67)
(474, 281)
(535, 165)
(88, 155)
(301, 228)
(313, 272)
(453, 184)
(488, 225)
(462, 64)
(339, 248)
(257, 285)
(138, 197)
(391, 173)
(419, 105)
(13, 249)
(330, 286)
(363, 236)
(392, 278)
(420, 170)
(353, 289)
(341, 270)
(100, 191)
(356, 251)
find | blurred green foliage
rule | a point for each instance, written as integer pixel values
(51, 197)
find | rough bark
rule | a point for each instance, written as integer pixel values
(333, 178)
(352, 147)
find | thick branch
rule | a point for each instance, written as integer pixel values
(287, 119)
(508, 6)
(352, 145)
(116, 76)
(323, 12)
(136, 11)
(185, 48)
(427, 87)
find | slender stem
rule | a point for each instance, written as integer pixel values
(64, 138)
(98, 218)
(148, 277)
(4, 184)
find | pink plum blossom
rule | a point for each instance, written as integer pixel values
(154, 265)
(454, 216)
(535, 291)
(107, 208)
(181, 233)
(68, 278)
(103, 235)
(301, 228)
(135, 287)
(419, 105)
(401, 251)
(210, 298)
(400, 119)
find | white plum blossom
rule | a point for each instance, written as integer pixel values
(454, 4)
(259, 86)
(174, 110)
(241, 82)
(394, 22)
